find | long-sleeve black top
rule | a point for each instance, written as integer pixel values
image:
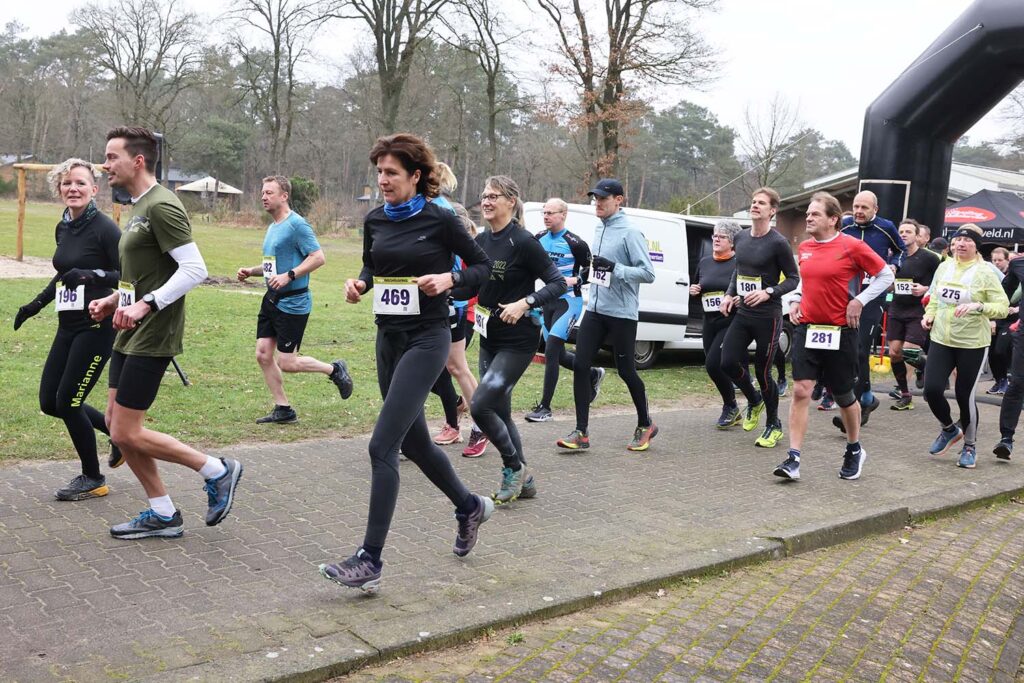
(766, 257)
(420, 245)
(714, 276)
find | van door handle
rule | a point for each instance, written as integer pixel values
(681, 281)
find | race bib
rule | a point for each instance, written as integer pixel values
(904, 287)
(953, 294)
(269, 267)
(601, 278)
(823, 337)
(481, 316)
(125, 294)
(395, 296)
(746, 284)
(70, 299)
(711, 301)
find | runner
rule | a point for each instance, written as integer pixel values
(825, 336)
(914, 272)
(965, 294)
(407, 256)
(508, 336)
(621, 262)
(714, 274)
(290, 253)
(159, 264)
(999, 351)
(1013, 399)
(87, 268)
(763, 257)
(571, 256)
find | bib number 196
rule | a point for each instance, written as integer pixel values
(70, 299)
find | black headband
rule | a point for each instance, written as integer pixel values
(961, 232)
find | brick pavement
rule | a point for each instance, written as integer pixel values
(243, 600)
(938, 602)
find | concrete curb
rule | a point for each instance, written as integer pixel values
(842, 530)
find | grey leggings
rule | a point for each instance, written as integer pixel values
(408, 363)
(492, 401)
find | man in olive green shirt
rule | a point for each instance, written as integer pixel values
(159, 264)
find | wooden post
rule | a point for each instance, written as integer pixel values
(19, 250)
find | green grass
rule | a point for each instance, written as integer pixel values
(227, 391)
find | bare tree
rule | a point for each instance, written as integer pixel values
(768, 132)
(646, 42)
(269, 69)
(398, 27)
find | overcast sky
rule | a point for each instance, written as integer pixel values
(811, 51)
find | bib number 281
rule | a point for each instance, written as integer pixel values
(824, 337)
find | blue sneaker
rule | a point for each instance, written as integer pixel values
(220, 492)
(730, 416)
(853, 463)
(945, 439)
(967, 457)
(148, 524)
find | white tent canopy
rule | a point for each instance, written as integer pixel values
(208, 184)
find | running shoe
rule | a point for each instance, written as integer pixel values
(540, 413)
(575, 441)
(116, 458)
(996, 389)
(279, 415)
(1003, 386)
(903, 403)
(149, 524)
(595, 382)
(783, 384)
(642, 438)
(359, 571)
(771, 436)
(817, 391)
(789, 469)
(730, 416)
(945, 439)
(529, 488)
(827, 403)
(919, 379)
(82, 487)
(511, 485)
(753, 416)
(448, 435)
(341, 378)
(968, 456)
(477, 444)
(469, 525)
(895, 393)
(220, 492)
(853, 463)
(1003, 449)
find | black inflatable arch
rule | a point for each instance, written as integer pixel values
(910, 130)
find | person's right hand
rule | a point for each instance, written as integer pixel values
(354, 290)
(926, 323)
(102, 308)
(694, 290)
(25, 312)
(243, 274)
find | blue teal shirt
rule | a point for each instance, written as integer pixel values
(570, 254)
(290, 242)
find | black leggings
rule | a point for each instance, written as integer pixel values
(74, 365)
(1013, 400)
(555, 356)
(764, 332)
(445, 390)
(867, 330)
(942, 360)
(621, 332)
(713, 334)
(491, 407)
(408, 363)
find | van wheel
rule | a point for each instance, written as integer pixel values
(645, 352)
(786, 339)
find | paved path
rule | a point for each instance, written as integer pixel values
(940, 602)
(244, 601)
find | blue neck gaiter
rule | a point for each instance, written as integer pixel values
(408, 209)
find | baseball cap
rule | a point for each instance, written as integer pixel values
(607, 187)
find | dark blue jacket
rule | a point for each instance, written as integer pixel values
(881, 235)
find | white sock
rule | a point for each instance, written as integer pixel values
(162, 506)
(212, 469)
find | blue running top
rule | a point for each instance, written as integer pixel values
(571, 256)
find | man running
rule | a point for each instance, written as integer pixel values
(999, 351)
(571, 256)
(913, 272)
(159, 264)
(290, 253)
(881, 236)
(1013, 398)
(763, 256)
(825, 336)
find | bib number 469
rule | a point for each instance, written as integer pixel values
(395, 297)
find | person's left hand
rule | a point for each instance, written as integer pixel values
(756, 298)
(129, 317)
(601, 263)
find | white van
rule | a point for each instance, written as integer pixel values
(676, 244)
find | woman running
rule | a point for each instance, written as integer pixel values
(713, 276)
(87, 268)
(508, 337)
(407, 254)
(965, 294)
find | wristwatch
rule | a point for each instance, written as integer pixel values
(151, 302)
(531, 301)
(291, 274)
(100, 273)
(770, 291)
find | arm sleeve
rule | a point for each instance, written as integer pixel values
(641, 269)
(787, 264)
(191, 271)
(996, 303)
(870, 262)
(883, 279)
(366, 274)
(305, 238)
(581, 252)
(113, 272)
(898, 247)
(1013, 277)
(49, 292)
(544, 269)
(476, 264)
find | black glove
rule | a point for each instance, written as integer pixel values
(27, 311)
(603, 264)
(77, 276)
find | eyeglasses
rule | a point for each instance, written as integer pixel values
(490, 197)
(720, 237)
(551, 213)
